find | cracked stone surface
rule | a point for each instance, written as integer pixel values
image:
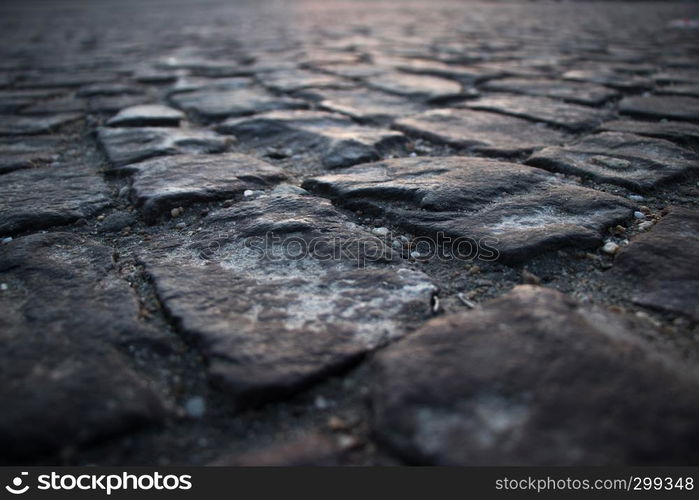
(542, 109)
(271, 323)
(458, 391)
(663, 262)
(661, 107)
(66, 313)
(289, 233)
(629, 160)
(339, 142)
(124, 145)
(483, 132)
(175, 181)
(43, 197)
(478, 199)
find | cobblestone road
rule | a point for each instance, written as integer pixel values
(349, 232)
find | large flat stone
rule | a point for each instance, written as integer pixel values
(172, 181)
(663, 263)
(335, 138)
(363, 104)
(610, 78)
(147, 115)
(214, 104)
(124, 145)
(577, 92)
(659, 107)
(629, 160)
(542, 109)
(483, 132)
(271, 317)
(682, 133)
(31, 125)
(65, 382)
(43, 197)
(533, 378)
(293, 80)
(430, 88)
(518, 210)
(27, 152)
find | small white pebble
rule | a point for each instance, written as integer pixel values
(645, 226)
(248, 192)
(3, 286)
(639, 215)
(195, 407)
(6, 240)
(396, 244)
(380, 231)
(413, 154)
(415, 254)
(610, 247)
(321, 403)
(636, 197)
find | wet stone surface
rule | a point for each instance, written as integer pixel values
(294, 234)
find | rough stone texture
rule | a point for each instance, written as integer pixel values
(218, 104)
(310, 450)
(363, 104)
(27, 152)
(338, 141)
(44, 197)
(662, 264)
(173, 181)
(64, 381)
(658, 107)
(430, 88)
(636, 162)
(520, 211)
(269, 322)
(541, 109)
(580, 93)
(31, 125)
(482, 132)
(147, 115)
(131, 144)
(534, 378)
(610, 78)
(682, 133)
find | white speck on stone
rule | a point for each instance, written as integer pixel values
(3, 286)
(636, 197)
(195, 407)
(415, 254)
(321, 403)
(248, 192)
(639, 215)
(380, 231)
(610, 247)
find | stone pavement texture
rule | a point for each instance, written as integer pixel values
(349, 232)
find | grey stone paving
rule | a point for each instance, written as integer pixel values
(311, 233)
